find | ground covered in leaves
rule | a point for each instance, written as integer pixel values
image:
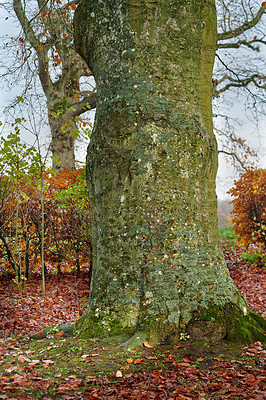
(71, 368)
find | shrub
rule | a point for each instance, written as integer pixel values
(249, 209)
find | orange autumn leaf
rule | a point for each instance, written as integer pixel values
(249, 209)
(41, 47)
(59, 334)
(138, 361)
(73, 6)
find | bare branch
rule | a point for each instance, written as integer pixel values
(235, 157)
(241, 82)
(242, 28)
(241, 43)
(36, 44)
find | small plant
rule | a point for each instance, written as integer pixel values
(184, 336)
(256, 258)
(227, 233)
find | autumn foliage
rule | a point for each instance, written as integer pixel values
(67, 242)
(249, 209)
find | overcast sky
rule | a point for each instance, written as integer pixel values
(226, 173)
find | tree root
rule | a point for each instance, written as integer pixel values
(66, 329)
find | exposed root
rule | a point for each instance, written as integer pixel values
(66, 329)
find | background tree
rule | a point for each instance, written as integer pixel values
(49, 27)
(158, 268)
(46, 48)
(224, 213)
(239, 80)
(249, 208)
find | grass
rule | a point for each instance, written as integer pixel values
(227, 233)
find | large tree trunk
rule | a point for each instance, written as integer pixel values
(158, 265)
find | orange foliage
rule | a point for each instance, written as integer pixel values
(66, 226)
(249, 208)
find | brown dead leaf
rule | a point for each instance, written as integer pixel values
(23, 359)
(90, 377)
(188, 360)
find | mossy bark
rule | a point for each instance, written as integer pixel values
(63, 127)
(151, 166)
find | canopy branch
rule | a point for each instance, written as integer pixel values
(86, 104)
(41, 50)
(235, 157)
(255, 79)
(241, 43)
(242, 28)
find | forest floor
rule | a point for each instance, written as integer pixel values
(72, 368)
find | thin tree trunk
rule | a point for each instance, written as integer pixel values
(9, 253)
(42, 233)
(151, 166)
(77, 249)
(27, 261)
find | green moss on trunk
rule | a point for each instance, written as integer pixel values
(151, 169)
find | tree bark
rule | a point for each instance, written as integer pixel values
(62, 145)
(151, 165)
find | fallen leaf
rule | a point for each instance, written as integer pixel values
(23, 359)
(59, 334)
(138, 361)
(188, 360)
(146, 344)
(118, 374)
(91, 377)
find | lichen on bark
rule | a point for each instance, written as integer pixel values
(151, 167)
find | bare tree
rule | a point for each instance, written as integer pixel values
(45, 49)
(239, 75)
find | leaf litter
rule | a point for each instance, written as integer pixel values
(60, 368)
